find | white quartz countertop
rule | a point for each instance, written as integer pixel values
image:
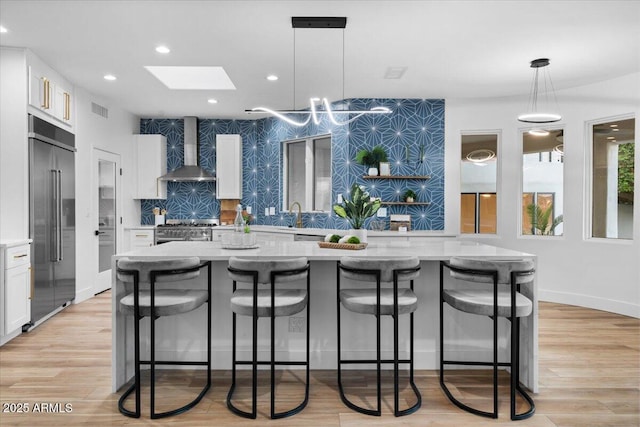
(437, 250)
(9, 243)
(324, 231)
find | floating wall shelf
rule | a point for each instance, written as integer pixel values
(406, 203)
(397, 177)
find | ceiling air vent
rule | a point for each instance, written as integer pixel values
(100, 110)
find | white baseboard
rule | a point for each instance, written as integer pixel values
(83, 295)
(588, 301)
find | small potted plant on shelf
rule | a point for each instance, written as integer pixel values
(372, 158)
(409, 196)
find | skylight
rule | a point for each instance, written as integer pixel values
(194, 78)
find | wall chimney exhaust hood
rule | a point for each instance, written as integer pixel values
(191, 171)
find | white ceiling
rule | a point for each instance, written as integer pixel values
(453, 49)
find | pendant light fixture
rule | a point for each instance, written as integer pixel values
(543, 104)
(313, 113)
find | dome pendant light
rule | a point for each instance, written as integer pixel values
(313, 113)
(543, 104)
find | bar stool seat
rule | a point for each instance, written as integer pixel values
(287, 302)
(480, 302)
(501, 299)
(147, 301)
(363, 301)
(274, 301)
(168, 302)
(387, 298)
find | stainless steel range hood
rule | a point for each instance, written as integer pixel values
(191, 171)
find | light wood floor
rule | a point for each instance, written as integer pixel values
(589, 376)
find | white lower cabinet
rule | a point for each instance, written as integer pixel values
(16, 290)
(141, 238)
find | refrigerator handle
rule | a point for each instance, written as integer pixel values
(59, 250)
(53, 237)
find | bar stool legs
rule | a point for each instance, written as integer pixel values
(379, 361)
(136, 386)
(272, 363)
(514, 364)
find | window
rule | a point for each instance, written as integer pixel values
(307, 173)
(612, 189)
(478, 197)
(542, 182)
(478, 213)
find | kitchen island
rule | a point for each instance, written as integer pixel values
(180, 337)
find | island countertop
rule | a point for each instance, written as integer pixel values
(425, 251)
(183, 335)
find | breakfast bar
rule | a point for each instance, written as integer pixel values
(180, 337)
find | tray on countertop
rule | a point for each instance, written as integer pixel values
(350, 246)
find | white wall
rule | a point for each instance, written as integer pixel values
(14, 148)
(572, 268)
(113, 134)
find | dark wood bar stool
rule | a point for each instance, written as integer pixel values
(379, 301)
(503, 299)
(147, 301)
(270, 302)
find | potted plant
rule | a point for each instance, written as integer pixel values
(372, 158)
(359, 208)
(409, 196)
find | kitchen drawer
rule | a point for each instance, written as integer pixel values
(141, 238)
(17, 256)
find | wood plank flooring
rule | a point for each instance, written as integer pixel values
(589, 376)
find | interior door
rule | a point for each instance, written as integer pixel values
(106, 167)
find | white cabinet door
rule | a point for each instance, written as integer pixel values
(17, 288)
(62, 97)
(17, 291)
(150, 161)
(228, 167)
(40, 90)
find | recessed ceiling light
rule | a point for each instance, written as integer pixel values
(109, 77)
(212, 101)
(272, 77)
(611, 137)
(202, 78)
(3, 29)
(615, 130)
(613, 126)
(162, 49)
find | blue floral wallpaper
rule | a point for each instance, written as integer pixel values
(413, 136)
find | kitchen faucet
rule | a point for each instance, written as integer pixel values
(299, 215)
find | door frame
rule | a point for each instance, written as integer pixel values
(102, 281)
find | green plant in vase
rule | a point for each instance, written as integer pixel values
(372, 158)
(359, 208)
(409, 196)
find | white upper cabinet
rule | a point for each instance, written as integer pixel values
(228, 167)
(50, 93)
(150, 161)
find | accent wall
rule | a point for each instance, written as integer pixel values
(412, 135)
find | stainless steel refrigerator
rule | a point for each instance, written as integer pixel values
(52, 217)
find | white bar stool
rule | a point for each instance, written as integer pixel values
(507, 302)
(380, 301)
(154, 303)
(271, 303)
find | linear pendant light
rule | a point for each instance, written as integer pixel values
(313, 113)
(540, 107)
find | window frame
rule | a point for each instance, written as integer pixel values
(498, 188)
(588, 179)
(521, 192)
(308, 205)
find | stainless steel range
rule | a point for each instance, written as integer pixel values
(182, 230)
